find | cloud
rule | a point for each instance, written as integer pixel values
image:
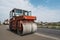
(47, 15)
(7, 5)
(42, 13)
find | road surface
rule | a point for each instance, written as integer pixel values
(6, 34)
(50, 32)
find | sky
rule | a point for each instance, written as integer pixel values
(44, 10)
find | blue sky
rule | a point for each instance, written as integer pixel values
(44, 10)
(53, 4)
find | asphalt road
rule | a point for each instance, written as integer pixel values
(50, 32)
(6, 34)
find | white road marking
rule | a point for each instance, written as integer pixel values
(47, 36)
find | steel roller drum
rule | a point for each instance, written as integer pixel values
(29, 28)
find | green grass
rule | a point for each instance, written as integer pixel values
(52, 27)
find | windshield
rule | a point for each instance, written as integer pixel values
(28, 13)
(22, 12)
(18, 12)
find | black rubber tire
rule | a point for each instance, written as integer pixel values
(19, 32)
(10, 28)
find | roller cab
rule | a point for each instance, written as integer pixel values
(22, 22)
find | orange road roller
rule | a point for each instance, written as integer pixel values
(22, 22)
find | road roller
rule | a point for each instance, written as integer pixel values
(22, 21)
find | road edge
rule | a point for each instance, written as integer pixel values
(43, 35)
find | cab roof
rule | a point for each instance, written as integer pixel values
(17, 9)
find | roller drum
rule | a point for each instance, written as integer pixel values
(29, 28)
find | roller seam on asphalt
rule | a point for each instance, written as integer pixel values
(47, 36)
